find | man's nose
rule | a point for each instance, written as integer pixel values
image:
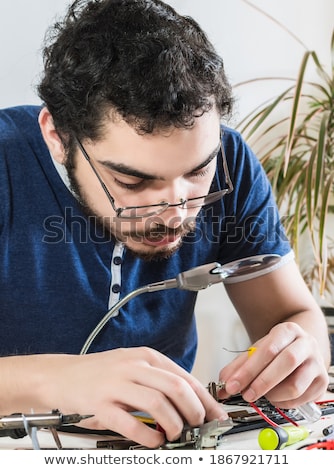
(174, 216)
(176, 194)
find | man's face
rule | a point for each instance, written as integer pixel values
(167, 166)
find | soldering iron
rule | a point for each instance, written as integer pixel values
(15, 425)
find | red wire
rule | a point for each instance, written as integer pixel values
(272, 423)
(268, 420)
(323, 402)
(265, 417)
(286, 417)
(326, 445)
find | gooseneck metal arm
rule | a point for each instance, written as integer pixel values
(195, 279)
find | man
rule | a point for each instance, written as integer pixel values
(125, 177)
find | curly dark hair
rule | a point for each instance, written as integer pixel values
(138, 59)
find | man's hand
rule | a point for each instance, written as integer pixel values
(109, 385)
(287, 367)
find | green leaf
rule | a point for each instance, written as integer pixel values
(295, 107)
(293, 136)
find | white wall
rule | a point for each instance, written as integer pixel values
(22, 28)
(251, 45)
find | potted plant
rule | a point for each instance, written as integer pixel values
(293, 136)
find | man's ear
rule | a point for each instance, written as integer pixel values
(51, 136)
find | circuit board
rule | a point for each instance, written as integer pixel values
(246, 419)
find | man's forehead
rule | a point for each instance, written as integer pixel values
(122, 145)
(156, 167)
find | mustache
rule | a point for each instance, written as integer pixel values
(162, 230)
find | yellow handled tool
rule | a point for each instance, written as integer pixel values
(278, 437)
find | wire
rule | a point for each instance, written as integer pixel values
(285, 416)
(268, 420)
(250, 350)
(320, 445)
(265, 417)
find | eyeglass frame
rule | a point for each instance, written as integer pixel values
(162, 205)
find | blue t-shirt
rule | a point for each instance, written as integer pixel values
(59, 273)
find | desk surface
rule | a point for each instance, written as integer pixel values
(248, 440)
(245, 440)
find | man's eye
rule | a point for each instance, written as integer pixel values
(129, 186)
(200, 174)
(203, 172)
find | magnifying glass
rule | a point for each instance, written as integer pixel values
(196, 279)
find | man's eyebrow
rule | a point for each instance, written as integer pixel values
(208, 160)
(129, 171)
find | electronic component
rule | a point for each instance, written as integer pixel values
(246, 420)
(329, 430)
(207, 436)
(310, 411)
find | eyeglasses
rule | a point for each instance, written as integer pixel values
(137, 212)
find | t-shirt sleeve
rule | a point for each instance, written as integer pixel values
(252, 224)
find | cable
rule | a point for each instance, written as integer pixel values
(264, 416)
(319, 445)
(285, 416)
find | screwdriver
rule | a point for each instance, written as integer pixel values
(278, 437)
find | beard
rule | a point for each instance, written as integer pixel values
(153, 228)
